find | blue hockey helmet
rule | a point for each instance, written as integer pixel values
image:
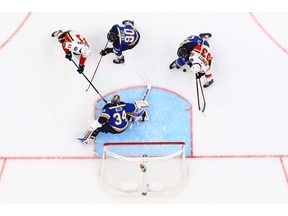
(182, 52)
(115, 100)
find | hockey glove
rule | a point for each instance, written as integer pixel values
(81, 69)
(68, 55)
(106, 51)
(199, 75)
(189, 64)
(172, 65)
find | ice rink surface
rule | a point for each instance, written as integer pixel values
(239, 147)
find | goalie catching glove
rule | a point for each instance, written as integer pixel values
(140, 114)
(141, 104)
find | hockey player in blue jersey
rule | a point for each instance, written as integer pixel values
(186, 47)
(114, 118)
(123, 38)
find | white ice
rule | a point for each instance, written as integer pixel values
(241, 142)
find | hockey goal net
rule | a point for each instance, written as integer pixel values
(143, 167)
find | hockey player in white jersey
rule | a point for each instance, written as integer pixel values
(201, 59)
(73, 43)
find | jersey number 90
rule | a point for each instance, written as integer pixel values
(129, 35)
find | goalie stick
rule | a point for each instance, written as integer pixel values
(147, 91)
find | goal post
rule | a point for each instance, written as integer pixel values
(143, 167)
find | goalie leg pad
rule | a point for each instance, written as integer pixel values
(91, 128)
(94, 125)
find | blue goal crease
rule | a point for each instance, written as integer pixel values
(170, 120)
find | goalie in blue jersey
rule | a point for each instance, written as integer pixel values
(115, 117)
(123, 38)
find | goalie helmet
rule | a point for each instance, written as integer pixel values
(111, 36)
(115, 100)
(196, 68)
(182, 52)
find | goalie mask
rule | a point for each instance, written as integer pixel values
(115, 100)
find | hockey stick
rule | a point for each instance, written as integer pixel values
(89, 82)
(148, 88)
(203, 97)
(144, 97)
(96, 68)
(204, 106)
(197, 94)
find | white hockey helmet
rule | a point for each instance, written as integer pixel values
(85, 51)
(196, 68)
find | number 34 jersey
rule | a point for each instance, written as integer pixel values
(116, 115)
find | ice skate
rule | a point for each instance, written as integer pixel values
(209, 83)
(119, 61)
(172, 65)
(145, 116)
(125, 22)
(205, 35)
(83, 140)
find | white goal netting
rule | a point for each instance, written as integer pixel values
(143, 167)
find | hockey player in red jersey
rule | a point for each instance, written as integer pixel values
(195, 52)
(201, 59)
(73, 43)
